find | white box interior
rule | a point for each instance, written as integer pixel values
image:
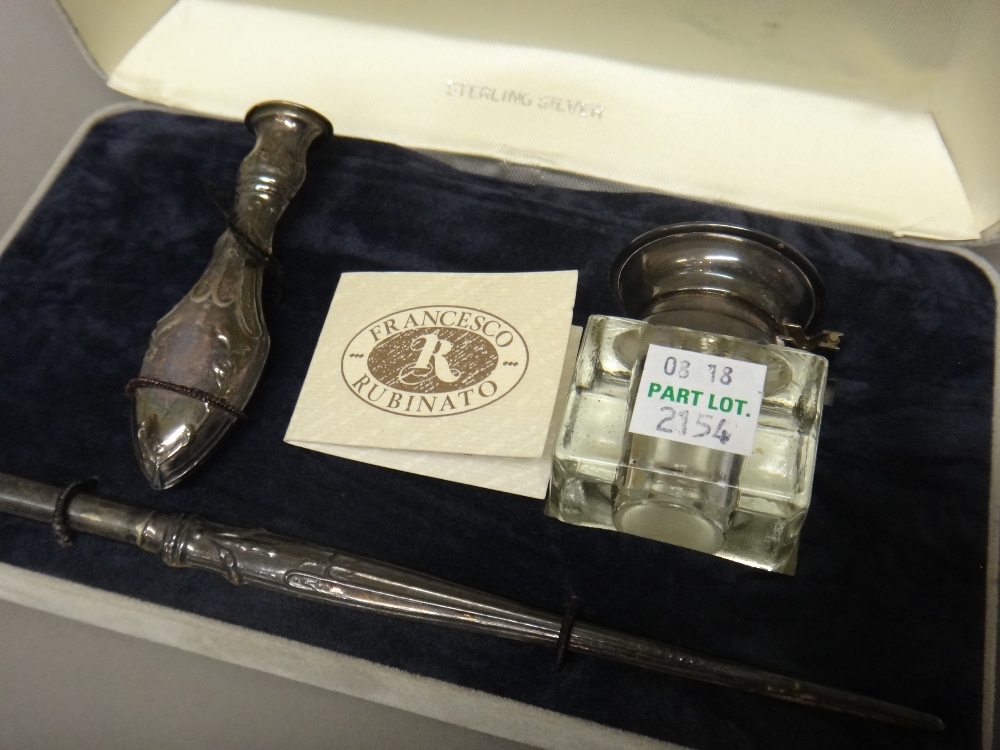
(873, 114)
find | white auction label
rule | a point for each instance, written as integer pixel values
(699, 399)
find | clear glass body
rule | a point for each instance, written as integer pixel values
(749, 509)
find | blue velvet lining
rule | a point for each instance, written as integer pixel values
(889, 597)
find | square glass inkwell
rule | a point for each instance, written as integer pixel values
(696, 422)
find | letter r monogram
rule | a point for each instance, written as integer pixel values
(432, 350)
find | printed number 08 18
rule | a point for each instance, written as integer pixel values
(727, 374)
(671, 366)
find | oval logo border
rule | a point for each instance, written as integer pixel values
(343, 358)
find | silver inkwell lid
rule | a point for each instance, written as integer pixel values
(723, 279)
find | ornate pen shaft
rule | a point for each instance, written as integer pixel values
(206, 355)
(260, 558)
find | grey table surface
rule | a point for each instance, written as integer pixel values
(68, 684)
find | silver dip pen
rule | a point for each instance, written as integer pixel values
(206, 355)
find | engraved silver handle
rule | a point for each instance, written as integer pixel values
(206, 355)
(260, 558)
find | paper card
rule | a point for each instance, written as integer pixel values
(520, 476)
(699, 399)
(442, 363)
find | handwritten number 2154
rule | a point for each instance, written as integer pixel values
(702, 425)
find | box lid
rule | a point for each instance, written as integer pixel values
(875, 117)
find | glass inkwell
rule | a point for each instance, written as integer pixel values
(696, 422)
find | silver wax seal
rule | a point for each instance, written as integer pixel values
(206, 355)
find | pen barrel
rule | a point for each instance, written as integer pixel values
(260, 558)
(669, 659)
(86, 513)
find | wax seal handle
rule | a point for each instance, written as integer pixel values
(273, 172)
(206, 355)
